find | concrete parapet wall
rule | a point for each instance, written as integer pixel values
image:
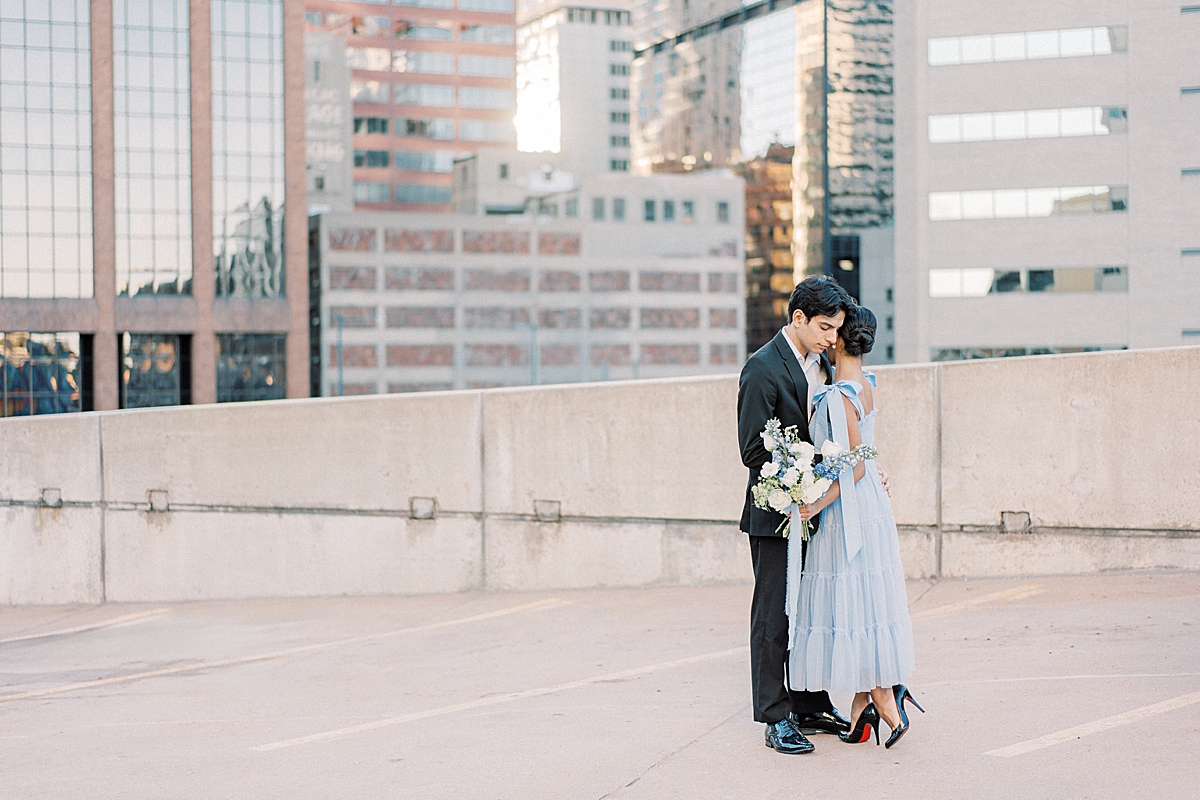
(572, 486)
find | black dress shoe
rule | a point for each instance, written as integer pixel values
(820, 722)
(783, 738)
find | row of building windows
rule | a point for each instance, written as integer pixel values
(615, 93)
(488, 6)
(381, 59)
(1046, 123)
(416, 160)
(593, 16)
(618, 69)
(51, 373)
(980, 282)
(368, 192)
(971, 353)
(1018, 203)
(432, 95)
(618, 116)
(1028, 45)
(424, 30)
(620, 46)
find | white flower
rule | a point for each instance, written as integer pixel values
(768, 441)
(815, 492)
(779, 500)
(831, 449)
(790, 477)
(804, 452)
(769, 469)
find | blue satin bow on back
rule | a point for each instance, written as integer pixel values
(839, 427)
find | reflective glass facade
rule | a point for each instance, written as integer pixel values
(980, 282)
(248, 164)
(250, 366)
(43, 373)
(152, 138)
(1028, 45)
(45, 150)
(155, 370)
(1043, 123)
(1018, 203)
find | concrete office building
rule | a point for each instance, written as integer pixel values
(430, 80)
(814, 75)
(573, 65)
(1048, 189)
(618, 277)
(152, 237)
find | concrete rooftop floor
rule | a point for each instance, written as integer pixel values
(630, 694)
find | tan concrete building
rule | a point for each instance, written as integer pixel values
(1058, 209)
(605, 276)
(152, 214)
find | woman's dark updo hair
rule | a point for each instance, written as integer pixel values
(858, 331)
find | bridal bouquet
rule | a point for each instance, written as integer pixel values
(791, 479)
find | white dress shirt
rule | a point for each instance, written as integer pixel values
(811, 364)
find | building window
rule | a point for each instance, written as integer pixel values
(370, 26)
(618, 94)
(370, 158)
(370, 125)
(891, 352)
(416, 94)
(571, 207)
(476, 97)
(251, 366)
(619, 165)
(618, 46)
(420, 62)
(618, 116)
(247, 171)
(370, 91)
(1050, 123)
(618, 208)
(618, 69)
(968, 353)
(980, 282)
(504, 172)
(156, 370)
(487, 34)
(319, 183)
(722, 211)
(668, 210)
(486, 66)
(425, 160)
(45, 168)
(598, 209)
(441, 128)
(486, 130)
(365, 192)
(152, 148)
(888, 294)
(1030, 45)
(419, 193)
(44, 373)
(650, 211)
(1018, 203)
(618, 141)
(689, 211)
(491, 6)
(423, 31)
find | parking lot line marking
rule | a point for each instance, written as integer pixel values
(291, 651)
(482, 702)
(1021, 748)
(1017, 593)
(108, 623)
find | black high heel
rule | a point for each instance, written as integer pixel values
(867, 720)
(901, 693)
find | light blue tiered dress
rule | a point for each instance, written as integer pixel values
(850, 629)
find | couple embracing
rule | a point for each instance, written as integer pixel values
(829, 614)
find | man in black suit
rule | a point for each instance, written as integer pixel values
(778, 381)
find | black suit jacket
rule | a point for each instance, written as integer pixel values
(772, 385)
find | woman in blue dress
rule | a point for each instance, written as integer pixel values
(848, 608)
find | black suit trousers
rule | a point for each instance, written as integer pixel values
(769, 637)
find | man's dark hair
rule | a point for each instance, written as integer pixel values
(819, 297)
